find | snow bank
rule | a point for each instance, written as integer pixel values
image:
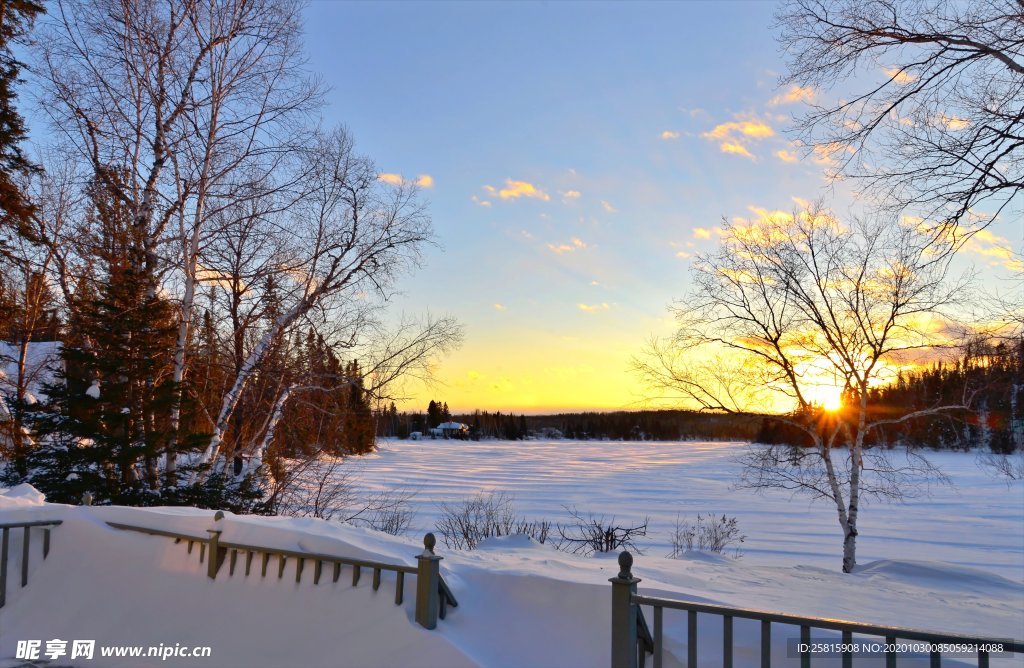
(953, 562)
(520, 603)
(20, 496)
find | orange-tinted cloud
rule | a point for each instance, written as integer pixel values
(793, 94)
(574, 245)
(516, 189)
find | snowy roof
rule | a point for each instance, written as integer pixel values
(42, 362)
(452, 425)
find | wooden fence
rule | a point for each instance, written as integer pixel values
(632, 639)
(26, 542)
(432, 593)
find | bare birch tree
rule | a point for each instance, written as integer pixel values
(353, 236)
(791, 303)
(192, 103)
(923, 100)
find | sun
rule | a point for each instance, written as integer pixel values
(827, 397)
(832, 403)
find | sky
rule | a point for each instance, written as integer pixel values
(574, 156)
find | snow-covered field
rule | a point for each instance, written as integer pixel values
(978, 522)
(954, 562)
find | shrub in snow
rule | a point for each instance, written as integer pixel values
(590, 534)
(463, 526)
(321, 487)
(710, 533)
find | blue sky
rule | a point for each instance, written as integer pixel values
(575, 156)
(600, 108)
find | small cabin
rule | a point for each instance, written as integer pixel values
(450, 430)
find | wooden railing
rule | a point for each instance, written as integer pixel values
(632, 641)
(432, 593)
(26, 542)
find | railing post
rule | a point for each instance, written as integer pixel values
(428, 579)
(624, 652)
(214, 556)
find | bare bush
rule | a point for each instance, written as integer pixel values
(1009, 466)
(590, 534)
(322, 487)
(710, 533)
(390, 512)
(485, 515)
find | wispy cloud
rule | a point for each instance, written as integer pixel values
(481, 202)
(422, 181)
(786, 156)
(593, 308)
(683, 254)
(608, 207)
(701, 233)
(792, 95)
(999, 249)
(735, 136)
(574, 245)
(499, 307)
(900, 76)
(669, 135)
(735, 149)
(516, 189)
(570, 195)
(748, 128)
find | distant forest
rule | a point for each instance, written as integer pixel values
(989, 374)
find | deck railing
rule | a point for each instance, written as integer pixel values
(432, 593)
(26, 542)
(632, 641)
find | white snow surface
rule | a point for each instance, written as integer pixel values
(42, 363)
(951, 563)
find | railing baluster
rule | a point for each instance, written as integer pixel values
(847, 654)
(248, 561)
(299, 564)
(982, 659)
(281, 559)
(24, 555)
(190, 546)
(318, 567)
(658, 646)
(936, 659)
(691, 639)
(727, 641)
(46, 543)
(766, 644)
(202, 552)
(4, 542)
(805, 655)
(266, 560)
(376, 579)
(355, 575)
(337, 570)
(231, 564)
(890, 656)
(399, 587)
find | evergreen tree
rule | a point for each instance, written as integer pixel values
(109, 415)
(16, 18)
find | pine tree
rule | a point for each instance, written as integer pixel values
(109, 414)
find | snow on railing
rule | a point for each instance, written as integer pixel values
(432, 593)
(632, 641)
(26, 549)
